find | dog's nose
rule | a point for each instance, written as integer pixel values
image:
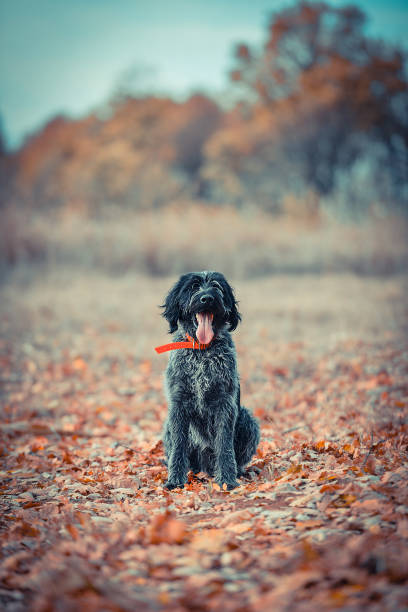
(206, 299)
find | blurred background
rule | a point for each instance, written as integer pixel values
(141, 139)
(155, 137)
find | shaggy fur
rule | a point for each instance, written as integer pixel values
(207, 429)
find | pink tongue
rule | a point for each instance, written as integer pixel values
(204, 331)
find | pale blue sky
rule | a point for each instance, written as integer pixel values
(65, 56)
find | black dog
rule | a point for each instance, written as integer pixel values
(207, 429)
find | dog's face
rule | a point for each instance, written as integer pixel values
(203, 303)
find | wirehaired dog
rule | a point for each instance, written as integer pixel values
(207, 429)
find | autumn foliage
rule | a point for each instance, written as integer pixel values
(319, 521)
(321, 106)
(321, 103)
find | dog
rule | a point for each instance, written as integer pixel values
(207, 429)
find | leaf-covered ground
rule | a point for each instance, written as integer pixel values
(319, 522)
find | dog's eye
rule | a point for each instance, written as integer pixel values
(217, 286)
(195, 286)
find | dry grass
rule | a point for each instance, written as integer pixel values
(243, 244)
(317, 311)
(20, 240)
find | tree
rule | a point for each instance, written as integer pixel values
(326, 95)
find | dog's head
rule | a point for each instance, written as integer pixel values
(203, 303)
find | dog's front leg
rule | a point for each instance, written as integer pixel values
(226, 466)
(178, 425)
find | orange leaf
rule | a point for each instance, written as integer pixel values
(344, 500)
(166, 529)
(240, 527)
(330, 488)
(210, 540)
(79, 364)
(28, 530)
(73, 531)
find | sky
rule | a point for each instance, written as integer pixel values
(70, 56)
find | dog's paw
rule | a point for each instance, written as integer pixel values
(232, 484)
(174, 485)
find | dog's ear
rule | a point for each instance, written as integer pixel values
(171, 305)
(234, 316)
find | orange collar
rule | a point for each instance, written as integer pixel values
(172, 346)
